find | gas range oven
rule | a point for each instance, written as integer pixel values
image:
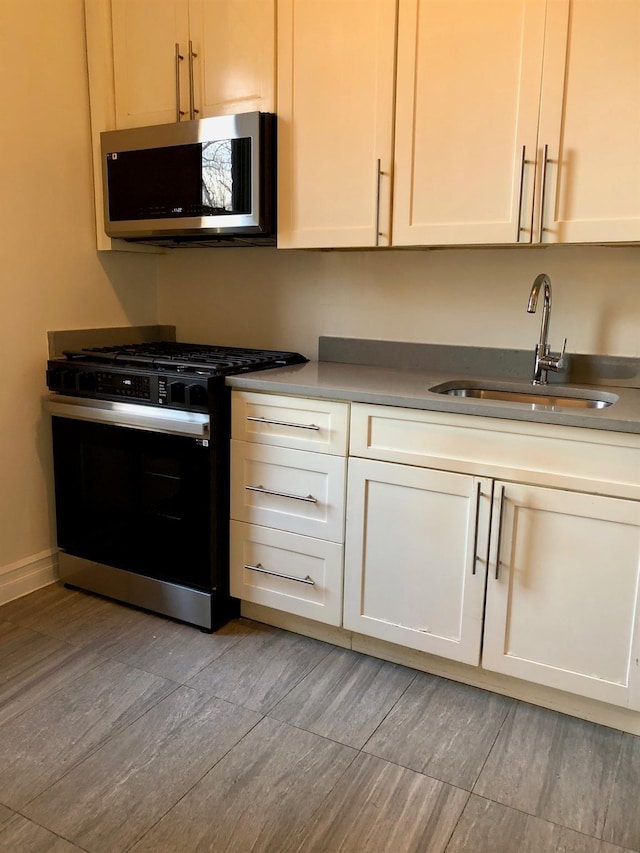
(141, 466)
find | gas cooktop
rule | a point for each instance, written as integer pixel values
(163, 373)
(184, 357)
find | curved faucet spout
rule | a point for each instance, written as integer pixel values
(544, 361)
(541, 280)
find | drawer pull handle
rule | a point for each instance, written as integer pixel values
(283, 423)
(260, 568)
(308, 498)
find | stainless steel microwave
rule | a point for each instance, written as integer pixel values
(210, 180)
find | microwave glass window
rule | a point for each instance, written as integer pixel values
(201, 179)
(226, 176)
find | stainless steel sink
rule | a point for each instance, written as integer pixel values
(573, 398)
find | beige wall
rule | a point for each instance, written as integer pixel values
(50, 274)
(286, 299)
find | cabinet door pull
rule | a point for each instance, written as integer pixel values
(522, 165)
(282, 423)
(260, 568)
(475, 532)
(378, 180)
(178, 60)
(192, 110)
(543, 189)
(499, 533)
(308, 498)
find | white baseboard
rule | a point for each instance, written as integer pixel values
(27, 575)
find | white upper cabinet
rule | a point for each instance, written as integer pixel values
(179, 59)
(590, 123)
(515, 121)
(335, 108)
(468, 85)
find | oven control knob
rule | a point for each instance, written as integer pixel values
(177, 392)
(197, 395)
(86, 382)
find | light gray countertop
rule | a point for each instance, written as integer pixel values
(409, 387)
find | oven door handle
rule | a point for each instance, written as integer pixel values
(134, 416)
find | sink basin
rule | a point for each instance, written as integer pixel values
(562, 398)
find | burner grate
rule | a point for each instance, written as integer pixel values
(185, 357)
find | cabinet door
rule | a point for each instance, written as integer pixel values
(562, 603)
(415, 559)
(590, 122)
(335, 103)
(234, 70)
(468, 90)
(145, 35)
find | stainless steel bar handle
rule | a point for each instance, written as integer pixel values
(522, 165)
(378, 180)
(475, 532)
(543, 189)
(192, 110)
(282, 423)
(499, 533)
(307, 498)
(260, 568)
(178, 60)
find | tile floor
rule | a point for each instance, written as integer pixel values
(120, 730)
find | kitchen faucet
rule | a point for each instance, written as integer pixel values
(544, 361)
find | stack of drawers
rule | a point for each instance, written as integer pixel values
(288, 479)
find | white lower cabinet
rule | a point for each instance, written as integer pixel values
(416, 550)
(509, 546)
(523, 579)
(288, 473)
(562, 592)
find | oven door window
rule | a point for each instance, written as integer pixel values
(134, 500)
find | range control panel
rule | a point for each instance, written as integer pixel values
(188, 393)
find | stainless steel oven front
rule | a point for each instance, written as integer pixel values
(140, 499)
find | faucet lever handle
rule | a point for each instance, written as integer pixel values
(560, 362)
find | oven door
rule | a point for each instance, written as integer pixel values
(133, 501)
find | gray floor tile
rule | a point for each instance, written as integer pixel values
(552, 766)
(345, 697)
(622, 825)
(121, 790)
(40, 745)
(72, 615)
(442, 729)
(491, 827)
(38, 666)
(168, 648)
(14, 638)
(48, 609)
(379, 807)
(257, 797)
(20, 835)
(262, 668)
(5, 814)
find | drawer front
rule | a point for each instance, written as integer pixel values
(545, 454)
(291, 490)
(297, 574)
(315, 425)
